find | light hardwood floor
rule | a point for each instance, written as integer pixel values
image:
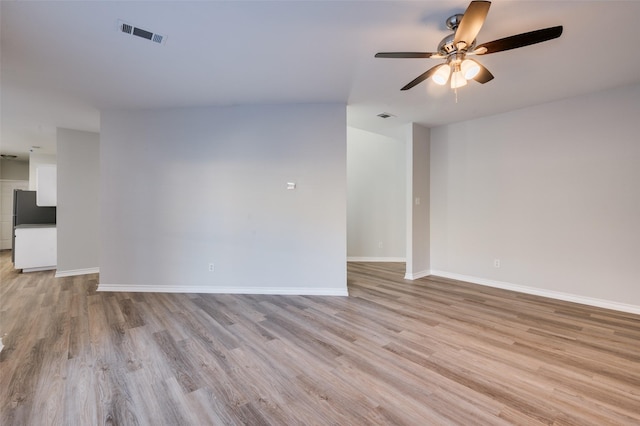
(427, 352)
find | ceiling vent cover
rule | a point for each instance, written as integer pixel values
(126, 28)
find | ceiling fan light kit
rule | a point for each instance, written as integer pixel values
(458, 72)
(457, 79)
(470, 69)
(454, 48)
(441, 76)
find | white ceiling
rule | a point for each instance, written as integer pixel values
(63, 62)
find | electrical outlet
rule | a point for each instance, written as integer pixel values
(496, 263)
(380, 244)
(211, 267)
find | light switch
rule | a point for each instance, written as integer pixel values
(291, 185)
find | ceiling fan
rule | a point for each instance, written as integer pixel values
(455, 48)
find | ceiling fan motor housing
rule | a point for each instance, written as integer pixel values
(447, 46)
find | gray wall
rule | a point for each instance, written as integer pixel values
(376, 224)
(552, 191)
(14, 170)
(183, 188)
(78, 210)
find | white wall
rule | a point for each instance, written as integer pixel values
(78, 209)
(552, 191)
(418, 140)
(36, 160)
(376, 223)
(187, 187)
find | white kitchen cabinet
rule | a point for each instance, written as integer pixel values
(36, 247)
(46, 186)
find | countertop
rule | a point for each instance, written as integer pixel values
(36, 225)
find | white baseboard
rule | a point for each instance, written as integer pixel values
(375, 259)
(73, 272)
(284, 291)
(600, 303)
(417, 275)
(39, 269)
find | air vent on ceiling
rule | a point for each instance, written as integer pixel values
(126, 28)
(385, 115)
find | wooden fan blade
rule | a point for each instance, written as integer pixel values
(471, 23)
(405, 54)
(422, 77)
(519, 40)
(484, 75)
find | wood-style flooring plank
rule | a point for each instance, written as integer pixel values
(395, 352)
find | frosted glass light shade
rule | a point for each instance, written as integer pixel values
(441, 76)
(458, 80)
(469, 68)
